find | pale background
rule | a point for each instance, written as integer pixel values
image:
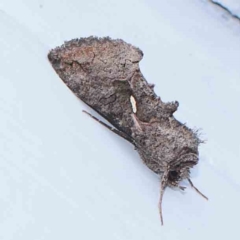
(63, 176)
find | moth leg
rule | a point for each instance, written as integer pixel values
(116, 131)
(197, 189)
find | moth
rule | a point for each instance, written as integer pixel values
(105, 74)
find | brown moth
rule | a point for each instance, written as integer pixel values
(105, 74)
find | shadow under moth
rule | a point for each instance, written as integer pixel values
(105, 74)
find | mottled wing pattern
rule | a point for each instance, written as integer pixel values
(105, 73)
(98, 71)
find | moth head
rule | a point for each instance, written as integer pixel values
(177, 171)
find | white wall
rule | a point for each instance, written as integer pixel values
(63, 176)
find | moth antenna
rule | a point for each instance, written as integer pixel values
(197, 189)
(160, 204)
(116, 131)
(163, 186)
